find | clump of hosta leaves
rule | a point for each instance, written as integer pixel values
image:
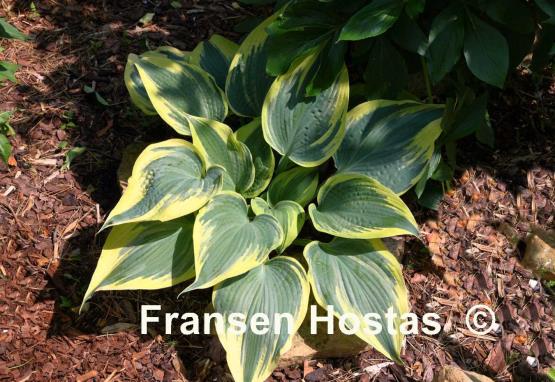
(229, 205)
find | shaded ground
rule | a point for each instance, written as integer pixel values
(49, 217)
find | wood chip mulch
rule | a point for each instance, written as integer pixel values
(49, 217)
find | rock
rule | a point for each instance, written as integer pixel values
(455, 374)
(510, 233)
(534, 284)
(532, 361)
(306, 346)
(316, 375)
(395, 245)
(321, 345)
(540, 253)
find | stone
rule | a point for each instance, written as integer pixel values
(455, 374)
(510, 233)
(540, 253)
(395, 245)
(321, 345)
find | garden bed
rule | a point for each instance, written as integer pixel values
(49, 217)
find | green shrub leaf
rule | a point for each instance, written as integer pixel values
(301, 28)
(298, 184)
(390, 141)
(227, 243)
(408, 35)
(146, 255)
(291, 217)
(386, 73)
(262, 156)
(357, 277)
(247, 82)
(7, 71)
(485, 133)
(548, 8)
(279, 286)
(219, 147)
(445, 43)
(414, 8)
(514, 14)
(169, 180)
(486, 52)
(305, 129)
(9, 31)
(358, 207)
(431, 195)
(306, 27)
(214, 56)
(372, 20)
(5, 148)
(467, 119)
(179, 91)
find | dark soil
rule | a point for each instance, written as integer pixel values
(49, 216)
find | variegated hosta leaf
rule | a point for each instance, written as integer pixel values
(247, 82)
(358, 207)
(219, 147)
(133, 80)
(305, 129)
(145, 255)
(174, 54)
(214, 56)
(180, 91)
(390, 141)
(227, 243)
(358, 277)
(298, 184)
(135, 85)
(169, 180)
(291, 217)
(279, 286)
(262, 156)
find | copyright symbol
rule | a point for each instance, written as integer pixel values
(480, 319)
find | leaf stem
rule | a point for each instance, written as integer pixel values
(427, 80)
(282, 165)
(301, 242)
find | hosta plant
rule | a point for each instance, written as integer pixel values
(289, 196)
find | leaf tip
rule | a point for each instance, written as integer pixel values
(107, 224)
(312, 211)
(88, 294)
(194, 286)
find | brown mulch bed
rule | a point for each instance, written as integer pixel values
(49, 217)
